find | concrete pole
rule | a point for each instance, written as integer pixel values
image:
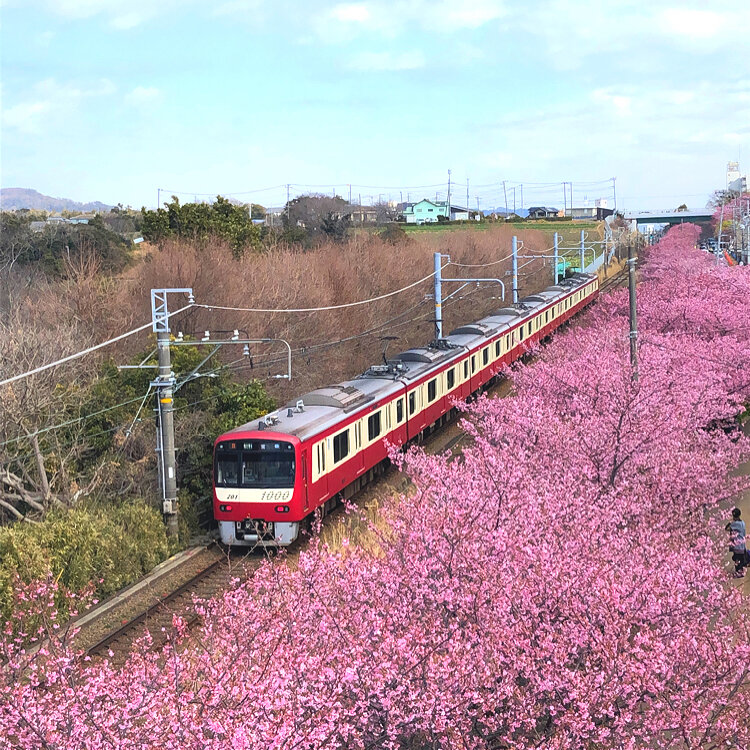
(583, 250)
(557, 240)
(166, 434)
(515, 269)
(449, 195)
(633, 315)
(438, 298)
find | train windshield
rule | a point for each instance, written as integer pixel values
(254, 463)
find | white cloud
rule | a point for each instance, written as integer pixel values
(450, 15)
(388, 18)
(26, 117)
(387, 61)
(244, 9)
(350, 13)
(49, 102)
(640, 127)
(143, 96)
(692, 23)
(628, 32)
(616, 103)
(121, 14)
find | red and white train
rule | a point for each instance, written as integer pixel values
(272, 473)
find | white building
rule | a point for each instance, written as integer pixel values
(736, 181)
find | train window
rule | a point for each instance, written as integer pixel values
(466, 370)
(227, 470)
(388, 417)
(497, 348)
(267, 464)
(399, 411)
(432, 390)
(412, 402)
(507, 342)
(450, 378)
(546, 317)
(473, 364)
(373, 426)
(520, 333)
(485, 355)
(358, 434)
(321, 457)
(340, 446)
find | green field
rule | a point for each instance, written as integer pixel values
(569, 232)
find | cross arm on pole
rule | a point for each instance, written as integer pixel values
(471, 281)
(217, 343)
(159, 311)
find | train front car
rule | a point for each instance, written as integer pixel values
(258, 490)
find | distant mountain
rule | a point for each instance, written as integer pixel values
(12, 199)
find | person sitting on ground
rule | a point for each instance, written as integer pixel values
(736, 529)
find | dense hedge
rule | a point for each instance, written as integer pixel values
(110, 547)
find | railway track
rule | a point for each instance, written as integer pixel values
(116, 645)
(219, 573)
(618, 280)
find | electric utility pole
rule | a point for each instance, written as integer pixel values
(583, 250)
(633, 316)
(557, 254)
(505, 193)
(449, 195)
(164, 385)
(168, 468)
(438, 289)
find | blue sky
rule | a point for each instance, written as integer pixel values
(113, 99)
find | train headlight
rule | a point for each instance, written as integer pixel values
(225, 508)
(282, 509)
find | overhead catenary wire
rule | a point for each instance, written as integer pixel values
(122, 336)
(315, 309)
(71, 422)
(319, 347)
(90, 349)
(130, 401)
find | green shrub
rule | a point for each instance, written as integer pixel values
(109, 547)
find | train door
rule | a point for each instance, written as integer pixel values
(303, 484)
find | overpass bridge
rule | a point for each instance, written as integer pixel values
(669, 217)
